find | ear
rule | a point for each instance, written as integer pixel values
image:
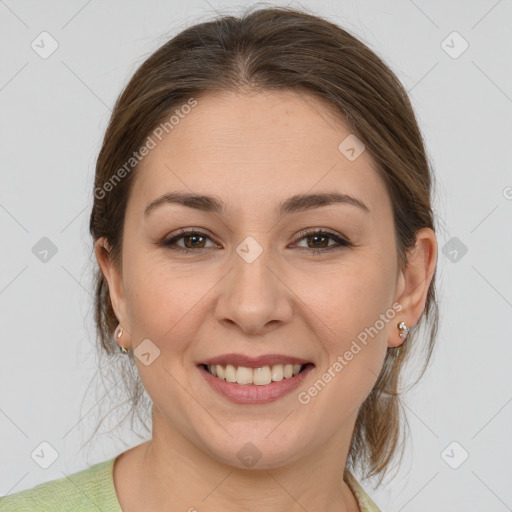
(414, 281)
(114, 279)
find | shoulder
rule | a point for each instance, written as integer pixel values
(89, 489)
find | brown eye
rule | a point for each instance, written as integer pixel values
(319, 241)
(192, 240)
(322, 239)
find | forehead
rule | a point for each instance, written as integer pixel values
(252, 148)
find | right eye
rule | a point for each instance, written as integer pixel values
(194, 241)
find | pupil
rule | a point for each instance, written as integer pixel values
(319, 236)
(189, 237)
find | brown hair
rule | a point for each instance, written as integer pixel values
(274, 49)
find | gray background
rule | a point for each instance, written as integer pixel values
(53, 115)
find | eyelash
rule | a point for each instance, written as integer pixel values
(170, 243)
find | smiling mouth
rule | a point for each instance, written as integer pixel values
(260, 376)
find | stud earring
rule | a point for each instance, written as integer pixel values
(118, 335)
(404, 331)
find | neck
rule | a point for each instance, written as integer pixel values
(171, 473)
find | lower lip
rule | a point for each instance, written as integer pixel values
(252, 394)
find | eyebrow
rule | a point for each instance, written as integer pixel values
(296, 203)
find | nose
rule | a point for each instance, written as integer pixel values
(254, 295)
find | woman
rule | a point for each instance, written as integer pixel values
(263, 226)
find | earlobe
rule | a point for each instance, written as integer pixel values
(415, 280)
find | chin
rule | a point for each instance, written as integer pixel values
(256, 450)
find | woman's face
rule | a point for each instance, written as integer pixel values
(256, 280)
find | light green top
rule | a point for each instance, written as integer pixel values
(93, 490)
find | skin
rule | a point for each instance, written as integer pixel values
(254, 151)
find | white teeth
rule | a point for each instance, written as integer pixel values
(277, 372)
(259, 376)
(262, 376)
(244, 375)
(230, 373)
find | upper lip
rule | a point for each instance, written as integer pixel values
(254, 362)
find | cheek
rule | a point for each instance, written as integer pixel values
(352, 314)
(347, 300)
(162, 297)
(351, 317)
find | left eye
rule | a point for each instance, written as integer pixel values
(197, 239)
(322, 237)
